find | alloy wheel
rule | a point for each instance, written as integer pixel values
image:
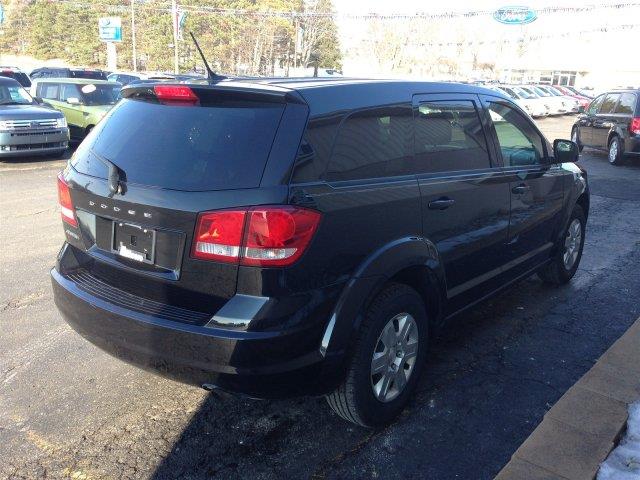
(572, 244)
(394, 357)
(613, 151)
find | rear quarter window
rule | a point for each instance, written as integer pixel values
(315, 149)
(219, 146)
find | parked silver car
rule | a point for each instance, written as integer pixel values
(26, 126)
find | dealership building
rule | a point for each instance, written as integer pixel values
(575, 46)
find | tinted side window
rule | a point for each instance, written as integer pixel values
(373, 143)
(520, 143)
(69, 90)
(627, 104)
(49, 91)
(315, 149)
(595, 105)
(449, 136)
(609, 103)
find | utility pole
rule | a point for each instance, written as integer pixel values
(174, 14)
(133, 36)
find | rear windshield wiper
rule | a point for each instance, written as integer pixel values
(115, 174)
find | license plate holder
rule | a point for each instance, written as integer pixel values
(134, 242)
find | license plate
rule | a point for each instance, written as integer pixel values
(134, 242)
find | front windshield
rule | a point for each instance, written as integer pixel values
(14, 95)
(94, 95)
(541, 92)
(510, 92)
(524, 93)
(553, 91)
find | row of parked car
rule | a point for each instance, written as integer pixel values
(43, 117)
(67, 103)
(122, 77)
(41, 112)
(543, 100)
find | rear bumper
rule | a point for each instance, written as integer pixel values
(272, 364)
(13, 144)
(632, 145)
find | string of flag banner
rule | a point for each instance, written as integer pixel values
(524, 39)
(355, 16)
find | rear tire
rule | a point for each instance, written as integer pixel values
(616, 151)
(565, 262)
(380, 380)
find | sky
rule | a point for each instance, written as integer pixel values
(571, 47)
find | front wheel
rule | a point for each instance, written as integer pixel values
(388, 357)
(564, 264)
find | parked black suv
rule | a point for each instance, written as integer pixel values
(16, 74)
(283, 237)
(63, 72)
(611, 122)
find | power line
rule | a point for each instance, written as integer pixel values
(166, 7)
(525, 39)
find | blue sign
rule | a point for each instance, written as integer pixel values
(1, 15)
(110, 29)
(515, 15)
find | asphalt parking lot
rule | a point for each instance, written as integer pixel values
(67, 410)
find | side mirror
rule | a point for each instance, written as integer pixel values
(38, 100)
(565, 151)
(73, 101)
(581, 109)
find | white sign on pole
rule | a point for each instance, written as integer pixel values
(110, 29)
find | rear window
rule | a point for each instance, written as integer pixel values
(89, 74)
(222, 146)
(21, 77)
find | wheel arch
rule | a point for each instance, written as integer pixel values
(585, 202)
(413, 261)
(615, 132)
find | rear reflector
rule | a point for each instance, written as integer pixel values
(175, 94)
(64, 200)
(634, 127)
(262, 236)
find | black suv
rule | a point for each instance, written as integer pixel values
(284, 237)
(16, 74)
(62, 72)
(611, 122)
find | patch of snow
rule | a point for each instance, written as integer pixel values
(623, 462)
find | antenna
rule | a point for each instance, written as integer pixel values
(211, 75)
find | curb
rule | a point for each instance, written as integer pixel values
(582, 428)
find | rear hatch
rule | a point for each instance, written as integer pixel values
(170, 160)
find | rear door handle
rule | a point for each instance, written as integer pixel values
(520, 189)
(441, 204)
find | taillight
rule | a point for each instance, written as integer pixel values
(264, 236)
(175, 94)
(64, 200)
(277, 236)
(634, 127)
(219, 235)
